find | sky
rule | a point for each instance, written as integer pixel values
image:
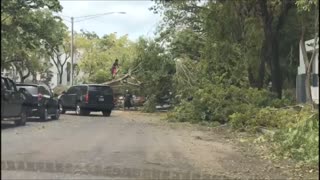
(138, 20)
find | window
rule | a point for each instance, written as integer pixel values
(11, 85)
(105, 89)
(31, 89)
(83, 90)
(72, 90)
(44, 91)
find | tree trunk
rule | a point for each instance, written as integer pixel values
(34, 77)
(21, 76)
(308, 84)
(271, 37)
(60, 75)
(262, 66)
(27, 75)
(276, 76)
(272, 54)
(251, 78)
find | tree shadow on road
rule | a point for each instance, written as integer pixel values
(9, 125)
(90, 115)
(36, 119)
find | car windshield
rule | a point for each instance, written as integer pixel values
(31, 89)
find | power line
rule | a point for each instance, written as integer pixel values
(87, 18)
(65, 19)
(63, 16)
(95, 16)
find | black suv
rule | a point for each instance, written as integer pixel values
(12, 100)
(86, 98)
(40, 101)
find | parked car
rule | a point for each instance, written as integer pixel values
(40, 101)
(138, 100)
(12, 102)
(119, 101)
(86, 98)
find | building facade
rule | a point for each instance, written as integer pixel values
(301, 77)
(55, 80)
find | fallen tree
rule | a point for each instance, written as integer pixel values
(124, 79)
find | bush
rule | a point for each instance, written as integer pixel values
(299, 140)
(217, 103)
(150, 104)
(268, 117)
(185, 112)
(298, 130)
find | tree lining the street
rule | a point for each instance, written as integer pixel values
(98, 55)
(26, 28)
(238, 60)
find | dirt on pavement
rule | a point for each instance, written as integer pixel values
(220, 150)
(140, 141)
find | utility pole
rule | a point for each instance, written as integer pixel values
(71, 51)
(72, 38)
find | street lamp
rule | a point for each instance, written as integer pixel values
(72, 38)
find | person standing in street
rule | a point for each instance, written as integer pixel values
(127, 100)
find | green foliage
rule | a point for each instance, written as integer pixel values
(23, 24)
(300, 140)
(24, 44)
(155, 69)
(100, 53)
(185, 112)
(100, 76)
(217, 103)
(306, 5)
(297, 130)
(268, 117)
(150, 104)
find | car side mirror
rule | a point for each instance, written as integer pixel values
(5, 94)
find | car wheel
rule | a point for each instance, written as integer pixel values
(44, 114)
(57, 115)
(23, 118)
(106, 113)
(62, 110)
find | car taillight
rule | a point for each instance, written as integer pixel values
(86, 98)
(40, 97)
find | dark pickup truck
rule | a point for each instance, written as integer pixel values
(12, 102)
(40, 101)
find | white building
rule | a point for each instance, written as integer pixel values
(66, 75)
(300, 81)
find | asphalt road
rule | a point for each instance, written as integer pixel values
(125, 145)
